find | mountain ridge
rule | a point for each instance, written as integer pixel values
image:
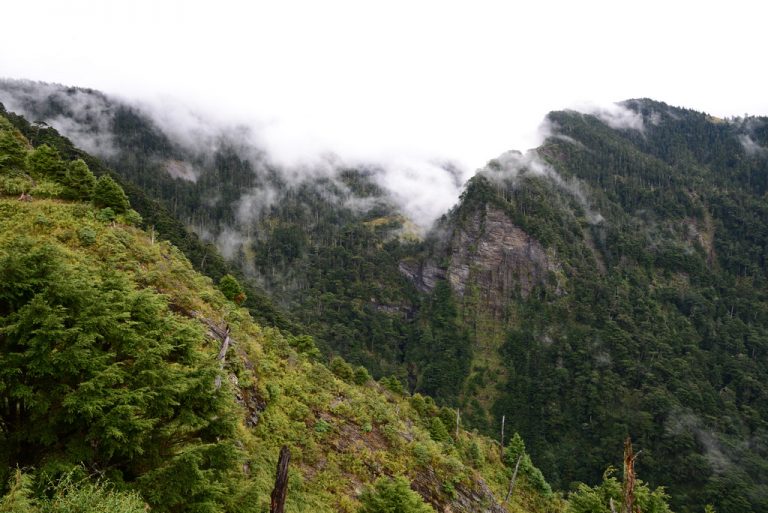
(621, 292)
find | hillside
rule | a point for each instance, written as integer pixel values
(114, 364)
(628, 266)
(610, 282)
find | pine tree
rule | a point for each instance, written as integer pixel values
(80, 181)
(108, 193)
(45, 161)
(13, 150)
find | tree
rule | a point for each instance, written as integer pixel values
(79, 180)
(607, 497)
(13, 150)
(108, 193)
(45, 161)
(93, 370)
(342, 369)
(231, 288)
(393, 495)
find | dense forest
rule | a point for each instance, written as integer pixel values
(130, 382)
(611, 282)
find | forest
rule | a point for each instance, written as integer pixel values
(643, 313)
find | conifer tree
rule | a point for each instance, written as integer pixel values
(80, 180)
(108, 193)
(45, 161)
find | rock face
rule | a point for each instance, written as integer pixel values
(491, 256)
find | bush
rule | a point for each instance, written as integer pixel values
(231, 288)
(437, 431)
(392, 384)
(12, 150)
(362, 376)
(132, 218)
(304, 344)
(106, 215)
(80, 181)
(108, 193)
(342, 369)
(45, 161)
(393, 495)
(68, 495)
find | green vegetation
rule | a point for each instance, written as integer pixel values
(112, 395)
(652, 319)
(598, 499)
(393, 496)
(68, 495)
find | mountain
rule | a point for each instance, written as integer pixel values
(610, 282)
(130, 382)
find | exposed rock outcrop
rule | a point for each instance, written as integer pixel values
(493, 255)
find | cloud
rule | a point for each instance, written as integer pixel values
(255, 203)
(83, 116)
(616, 116)
(751, 147)
(420, 184)
(514, 165)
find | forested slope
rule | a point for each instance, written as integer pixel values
(118, 390)
(611, 282)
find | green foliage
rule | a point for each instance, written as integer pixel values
(597, 499)
(106, 215)
(19, 498)
(342, 369)
(13, 151)
(87, 235)
(96, 371)
(108, 193)
(362, 376)
(304, 344)
(392, 495)
(133, 218)
(392, 384)
(45, 162)
(438, 431)
(68, 495)
(516, 450)
(444, 351)
(79, 180)
(231, 288)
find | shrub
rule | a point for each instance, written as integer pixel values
(393, 495)
(342, 369)
(437, 430)
(79, 180)
(108, 193)
(231, 288)
(361, 376)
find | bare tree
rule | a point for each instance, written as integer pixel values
(277, 504)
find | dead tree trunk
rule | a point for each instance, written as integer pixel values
(222, 356)
(458, 420)
(629, 477)
(277, 504)
(512, 481)
(503, 418)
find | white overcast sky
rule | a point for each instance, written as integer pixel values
(433, 79)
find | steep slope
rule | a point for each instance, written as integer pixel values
(611, 282)
(114, 361)
(325, 241)
(628, 267)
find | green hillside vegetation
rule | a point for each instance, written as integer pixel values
(650, 317)
(112, 394)
(156, 218)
